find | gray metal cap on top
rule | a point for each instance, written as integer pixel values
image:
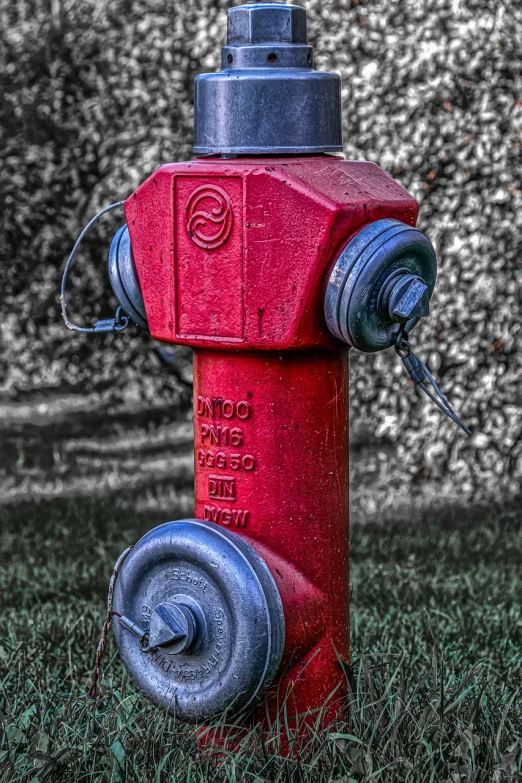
(267, 99)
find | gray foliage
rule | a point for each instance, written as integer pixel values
(96, 95)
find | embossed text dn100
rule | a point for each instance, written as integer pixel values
(219, 408)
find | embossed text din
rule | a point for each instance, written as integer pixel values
(221, 488)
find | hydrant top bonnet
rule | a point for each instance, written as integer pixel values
(267, 99)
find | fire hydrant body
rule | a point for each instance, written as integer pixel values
(232, 259)
(269, 256)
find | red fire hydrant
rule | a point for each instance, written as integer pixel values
(269, 254)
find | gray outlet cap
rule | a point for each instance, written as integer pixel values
(221, 582)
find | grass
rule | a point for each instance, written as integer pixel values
(436, 674)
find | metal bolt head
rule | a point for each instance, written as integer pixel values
(267, 99)
(258, 23)
(409, 299)
(172, 626)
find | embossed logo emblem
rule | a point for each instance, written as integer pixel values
(209, 217)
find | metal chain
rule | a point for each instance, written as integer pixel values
(117, 324)
(107, 622)
(419, 373)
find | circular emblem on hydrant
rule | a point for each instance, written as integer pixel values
(209, 217)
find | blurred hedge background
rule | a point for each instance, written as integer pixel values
(95, 95)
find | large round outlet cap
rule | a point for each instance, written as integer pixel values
(209, 615)
(381, 282)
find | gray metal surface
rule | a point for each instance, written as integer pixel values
(404, 297)
(219, 581)
(174, 627)
(124, 279)
(267, 99)
(384, 277)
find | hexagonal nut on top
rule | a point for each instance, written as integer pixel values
(258, 23)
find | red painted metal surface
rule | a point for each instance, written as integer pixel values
(260, 286)
(271, 440)
(233, 259)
